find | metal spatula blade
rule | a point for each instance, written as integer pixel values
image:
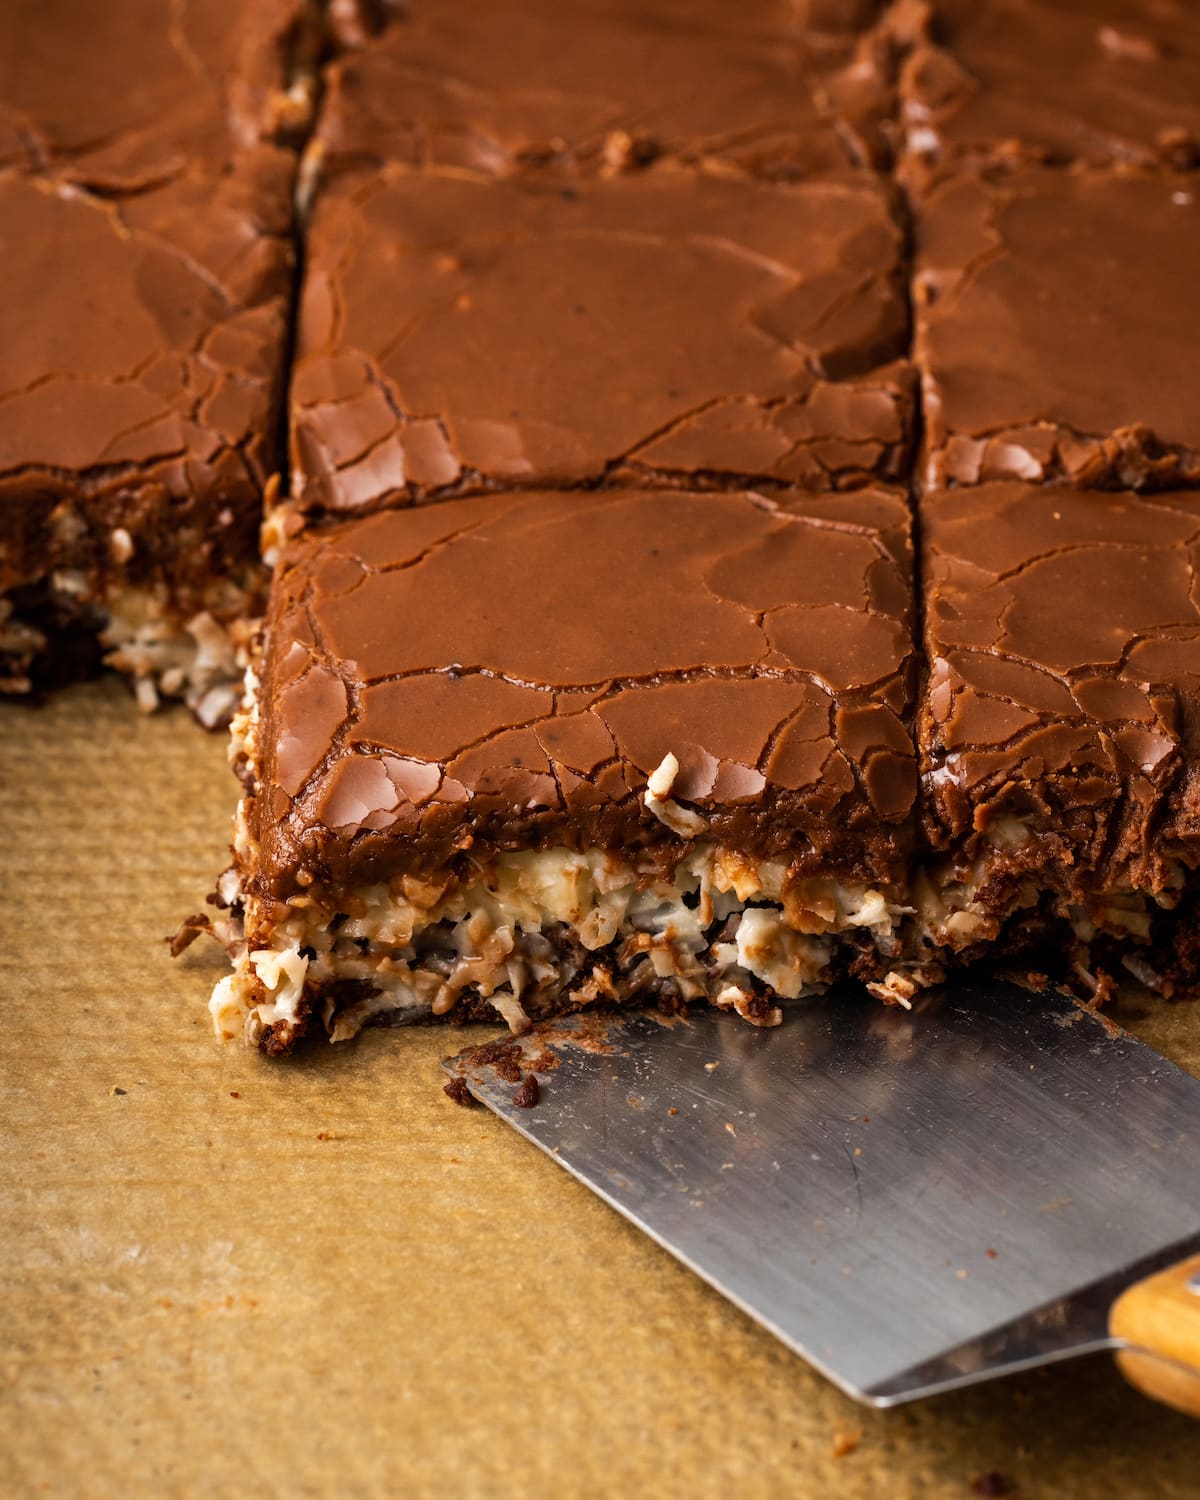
(911, 1200)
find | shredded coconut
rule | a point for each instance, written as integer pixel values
(680, 820)
(418, 947)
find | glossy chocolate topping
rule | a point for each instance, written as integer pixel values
(507, 671)
(120, 94)
(602, 85)
(1101, 82)
(140, 353)
(459, 332)
(145, 256)
(1058, 315)
(1063, 639)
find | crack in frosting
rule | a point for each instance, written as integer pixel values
(1044, 358)
(1057, 736)
(764, 646)
(740, 330)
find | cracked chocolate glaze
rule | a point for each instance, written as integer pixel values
(1057, 317)
(678, 327)
(1063, 640)
(508, 671)
(507, 86)
(118, 97)
(145, 405)
(1094, 82)
(145, 253)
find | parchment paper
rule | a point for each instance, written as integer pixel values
(224, 1276)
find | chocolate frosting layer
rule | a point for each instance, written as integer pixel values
(506, 672)
(141, 345)
(1101, 82)
(1063, 641)
(603, 86)
(1058, 316)
(146, 260)
(672, 326)
(118, 95)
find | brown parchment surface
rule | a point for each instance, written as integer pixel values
(321, 1278)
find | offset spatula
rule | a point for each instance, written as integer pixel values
(913, 1201)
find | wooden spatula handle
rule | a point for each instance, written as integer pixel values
(1158, 1322)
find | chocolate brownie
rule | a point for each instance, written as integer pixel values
(519, 752)
(770, 87)
(1056, 318)
(1060, 728)
(1093, 82)
(146, 257)
(672, 327)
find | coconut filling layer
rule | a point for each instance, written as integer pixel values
(198, 659)
(165, 652)
(540, 928)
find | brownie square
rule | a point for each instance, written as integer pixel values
(670, 327)
(146, 258)
(1059, 730)
(1092, 82)
(1057, 316)
(516, 753)
(117, 97)
(606, 86)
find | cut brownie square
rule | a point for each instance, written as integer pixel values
(1057, 317)
(518, 753)
(673, 327)
(604, 85)
(118, 97)
(1060, 730)
(146, 261)
(1095, 82)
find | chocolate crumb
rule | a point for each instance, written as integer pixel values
(529, 1092)
(187, 933)
(116, 1089)
(490, 1053)
(457, 1090)
(992, 1486)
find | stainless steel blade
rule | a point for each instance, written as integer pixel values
(911, 1200)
